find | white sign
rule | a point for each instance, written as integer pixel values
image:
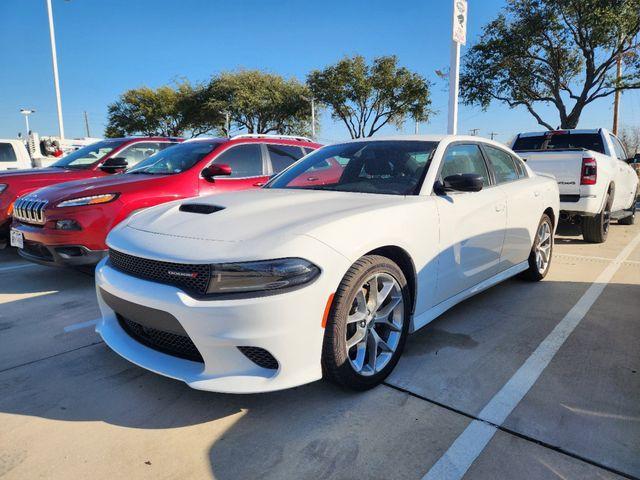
(460, 21)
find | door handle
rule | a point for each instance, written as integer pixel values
(536, 194)
(312, 179)
(258, 184)
(500, 207)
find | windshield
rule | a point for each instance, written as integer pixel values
(387, 167)
(560, 141)
(87, 156)
(175, 159)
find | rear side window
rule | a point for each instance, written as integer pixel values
(522, 170)
(560, 141)
(244, 160)
(308, 150)
(619, 149)
(282, 156)
(460, 159)
(503, 165)
(7, 154)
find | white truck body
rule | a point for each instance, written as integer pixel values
(13, 155)
(580, 196)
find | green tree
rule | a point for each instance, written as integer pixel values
(166, 111)
(258, 102)
(368, 97)
(554, 52)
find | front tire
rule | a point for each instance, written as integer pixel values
(541, 251)
(368, 324)
(596, 229)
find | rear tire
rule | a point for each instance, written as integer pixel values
(366, 332)
(541, 251)
(596, 229)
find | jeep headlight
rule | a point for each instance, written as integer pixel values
(91, 200)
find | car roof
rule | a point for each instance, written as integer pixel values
(428, 138)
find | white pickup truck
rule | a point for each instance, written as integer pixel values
(13, 155)
(595, 181)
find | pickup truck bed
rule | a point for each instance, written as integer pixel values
(595, 182)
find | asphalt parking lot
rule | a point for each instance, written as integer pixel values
(522, 381)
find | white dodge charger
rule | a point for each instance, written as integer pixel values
(328, 268)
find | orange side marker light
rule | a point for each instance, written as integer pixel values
(327, 309)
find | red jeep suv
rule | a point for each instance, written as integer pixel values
(98, 159)
(67, 224)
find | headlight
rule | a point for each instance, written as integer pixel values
(3, 187)
(261, 276)
(92, 200)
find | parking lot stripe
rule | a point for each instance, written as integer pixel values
(469, 445)
(18, 267)
(78, 326)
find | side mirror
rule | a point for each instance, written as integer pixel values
(115, 164)
(208, 173)
(466, 182)
(634, 159)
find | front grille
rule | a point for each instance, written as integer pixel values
(29, 209)
(260, 357)
(189, 277)
(166, 342)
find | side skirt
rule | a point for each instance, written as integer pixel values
(424, 318)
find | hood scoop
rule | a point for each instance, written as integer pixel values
(202, 208)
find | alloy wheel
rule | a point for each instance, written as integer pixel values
(374, 324)
(543, 247)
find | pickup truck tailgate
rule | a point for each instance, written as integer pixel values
(566, 166)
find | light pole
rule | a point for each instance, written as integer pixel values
(459, 37)
(54, 59)
(26, 112)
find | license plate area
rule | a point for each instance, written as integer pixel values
(16, 239)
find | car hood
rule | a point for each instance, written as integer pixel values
(254, 214)
(29, 173)
(95, 186)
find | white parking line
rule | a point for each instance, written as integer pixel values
(588, 257)
(17, 267)
(469, 445)
(78, 326)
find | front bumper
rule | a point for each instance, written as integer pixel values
(287, 325)
(60, 248)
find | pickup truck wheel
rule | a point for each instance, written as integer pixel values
(596, 229)
(368, 324)
(631, 219)
(541, 251)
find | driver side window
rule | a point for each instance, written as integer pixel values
(460, 159)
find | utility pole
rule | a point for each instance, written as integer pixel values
(228, 123)
(616, 98)
(86, 123)
(54, 60)
(459, 37)
(417, 124)
(494, 135)
(474, 132)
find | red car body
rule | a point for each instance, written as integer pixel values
(45, 242)
(21, 182)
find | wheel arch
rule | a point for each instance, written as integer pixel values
(402, 258)
(549, 211)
